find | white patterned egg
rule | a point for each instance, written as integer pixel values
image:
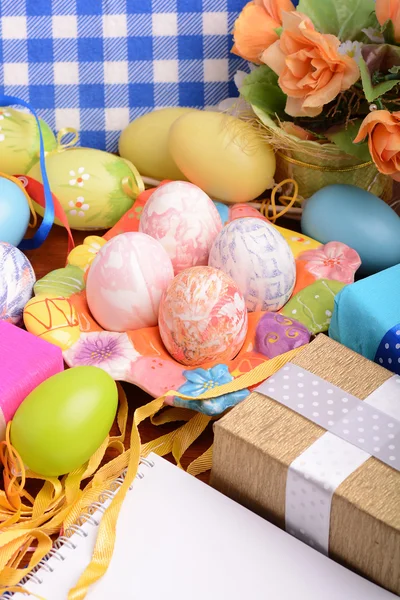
(16, 283)
(185, 222)
(257, 257)
(126, 280)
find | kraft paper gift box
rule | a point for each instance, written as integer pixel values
(333, 494)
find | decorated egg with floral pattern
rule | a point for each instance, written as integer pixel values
(126, 280)
(95, 188)
(185, 222)
(259, 260)
(19, 141)
(203, 317)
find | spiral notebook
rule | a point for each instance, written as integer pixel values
(200, 545)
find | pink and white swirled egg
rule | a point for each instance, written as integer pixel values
(126, 281)
(203, 317)
(184, 220)
(259, 260)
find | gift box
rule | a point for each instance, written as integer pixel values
(96, 66)
(316, 450)
(366, 318)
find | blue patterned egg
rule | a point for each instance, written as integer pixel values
(16, 283)
(257, 257)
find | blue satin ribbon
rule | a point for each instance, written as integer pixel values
(48, 218)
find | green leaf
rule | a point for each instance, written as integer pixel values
(388, 33)
(261, 89)
(395, 70)
(278, 31)
(344, 140)
(371, 92)
(343, 18)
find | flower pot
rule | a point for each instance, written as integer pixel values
(315, 172)
(315, 165)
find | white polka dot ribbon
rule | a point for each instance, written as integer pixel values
(356, 430)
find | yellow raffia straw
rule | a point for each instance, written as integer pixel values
(59, 503)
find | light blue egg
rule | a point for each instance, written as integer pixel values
(223, 210)
(353, 216)
(14, 212)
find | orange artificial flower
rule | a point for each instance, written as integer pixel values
(383, 130)
(255, 28)
(311, 71)
(389, 10)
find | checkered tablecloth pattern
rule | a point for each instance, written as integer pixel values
(96, 65)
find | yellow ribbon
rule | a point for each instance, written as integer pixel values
(60, 503)
(133, 185)
(287, 201)
(62, 133)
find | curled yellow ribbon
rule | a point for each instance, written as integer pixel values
(62, 133)
(287, 201)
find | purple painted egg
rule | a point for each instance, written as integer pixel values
(277, 334)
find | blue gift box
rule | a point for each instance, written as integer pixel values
(96, 65)
(367, 318)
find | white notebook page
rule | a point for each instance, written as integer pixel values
(179, 539)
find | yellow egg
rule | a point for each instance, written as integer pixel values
(222, 155)
(52, 318)
(145, 143)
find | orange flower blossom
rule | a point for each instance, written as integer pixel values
(255, 27)
(311, 70)
(389, 10)
(383, 131)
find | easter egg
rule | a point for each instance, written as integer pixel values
(126, 280)
(259, 260)
(313, 306)
(65, 420)
(14, 212)
(19, 141)
(16, 283)
(277, 334)
(61, 282)
(145, 143)
(203, 317)
(348, 214)
(185, 222)
(52, 318)
(223, 155)
(95, 188)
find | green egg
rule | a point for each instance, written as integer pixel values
(95, 188)
(19, 141)
(65, 420)
(313, 306)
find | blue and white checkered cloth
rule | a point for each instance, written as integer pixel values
(95, 65)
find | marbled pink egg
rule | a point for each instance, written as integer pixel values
(203, 317)
(126, 280)
(184, 220)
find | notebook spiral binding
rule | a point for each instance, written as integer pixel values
(86, 517)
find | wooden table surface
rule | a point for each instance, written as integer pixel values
(52, 255)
